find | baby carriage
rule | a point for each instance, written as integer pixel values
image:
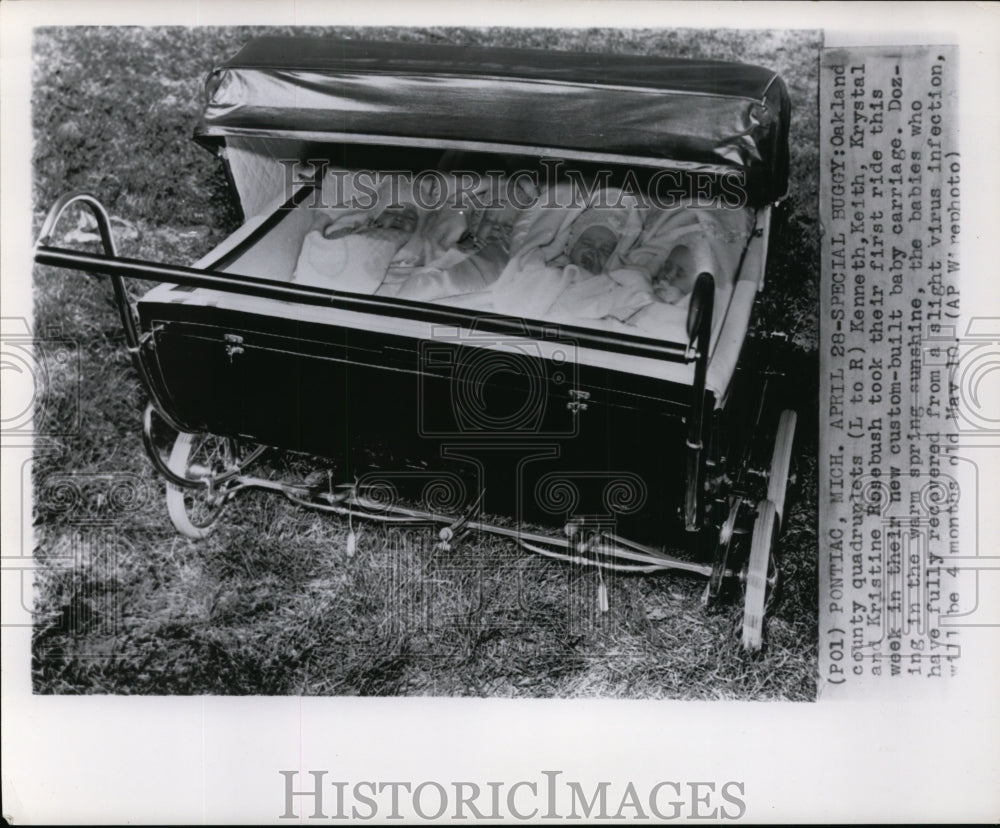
(647, 438)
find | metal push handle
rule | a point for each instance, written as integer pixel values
(100, 215)
(125, 311)
(63, 203)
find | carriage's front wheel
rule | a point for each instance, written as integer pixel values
(760, 576)
(203, 457)
(781, 473)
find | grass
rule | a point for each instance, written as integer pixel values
(271, 603)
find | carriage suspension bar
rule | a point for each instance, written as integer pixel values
(600, 550)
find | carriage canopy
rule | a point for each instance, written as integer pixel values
(699, 115)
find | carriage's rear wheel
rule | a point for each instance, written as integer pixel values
(194, 511)
(759, 576)
(781, 462)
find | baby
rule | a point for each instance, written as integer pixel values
(675, 279)
(570, 265)
(678, 244)
(465, 250)
(675, 247)
(351, 250)
(593, 240)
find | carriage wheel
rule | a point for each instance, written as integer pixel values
(781, 462)
(723, 548)
(194, 511)
(759, 576)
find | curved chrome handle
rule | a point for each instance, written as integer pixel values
(130, 323)
(96, 208)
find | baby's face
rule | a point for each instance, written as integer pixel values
(672, 282)
(402, 217)
(664, 280)
(594, 248)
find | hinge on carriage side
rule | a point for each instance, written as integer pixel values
(577, 404)
(234, 345)
(146, 338)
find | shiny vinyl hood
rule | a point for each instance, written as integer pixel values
(659, 112)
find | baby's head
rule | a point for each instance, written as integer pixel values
(676, 277)
(594, 248)
(398, 217)
(594, 237)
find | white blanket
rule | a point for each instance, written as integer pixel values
(535, 279)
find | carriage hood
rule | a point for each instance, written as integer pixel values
(699, 115)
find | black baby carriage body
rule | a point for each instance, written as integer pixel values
(627, 438)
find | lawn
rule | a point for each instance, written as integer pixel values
(272, 603)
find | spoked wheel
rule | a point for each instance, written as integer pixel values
(725, 543)
(759, 576)
(781, 462)
(194, 511)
